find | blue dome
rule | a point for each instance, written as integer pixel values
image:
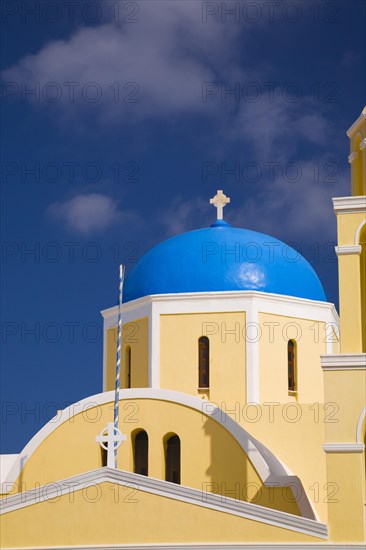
(222, 258)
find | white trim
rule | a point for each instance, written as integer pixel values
(358, 232)
(205, 302)
(197, 497)
(348, 249)
(6, 462)
(154, 347)
(251, 302)
(343, 447)
(252, 357)
(343, 361)
(349, 205)
(359, 434)
(351, 130)
(269, 468)
(353, 156)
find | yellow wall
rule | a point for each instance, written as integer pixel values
(310, 340)
(179, 336)
(205, 448)
(346, 470)
(363, 285)
(350, 284)
(358, 166)
(136, 336)
(113, 520)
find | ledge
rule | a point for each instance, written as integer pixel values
(349, 205)
(343, 447)
(344, 361)
(166, 489)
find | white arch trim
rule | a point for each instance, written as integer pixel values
(358, 232)
(270, 469)
(359, 434)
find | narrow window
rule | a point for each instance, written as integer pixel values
(291, 363)
(104, 455)
(128, 367)
(140, 453)
(203, 362)
(172, 459)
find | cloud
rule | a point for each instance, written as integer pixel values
(157, 68)
(89, 213)
(181, 216)
(295, 211)
(275, 129)
(150, 68)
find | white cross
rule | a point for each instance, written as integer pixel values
(110, 439)
(220, 200)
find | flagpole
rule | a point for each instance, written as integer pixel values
(118, 361)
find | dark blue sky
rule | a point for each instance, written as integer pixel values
(119, 125)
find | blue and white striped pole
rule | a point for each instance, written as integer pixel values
(118, 364)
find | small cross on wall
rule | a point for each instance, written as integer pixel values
(110, 439)
(220, 200)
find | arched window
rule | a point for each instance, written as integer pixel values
(128, 367)
(292, 366)
(203, 362)
(141, 453)
(172, 459)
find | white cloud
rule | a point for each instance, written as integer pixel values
(168, 53)
(88, 213)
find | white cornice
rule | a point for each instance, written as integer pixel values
(343, 361)
(356, 123)
(349, 205)
(191, 302)
(343, 447)
(348, 249)
(165, 489)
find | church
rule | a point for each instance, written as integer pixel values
(241, 408)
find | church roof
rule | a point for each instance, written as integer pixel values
(223, 258)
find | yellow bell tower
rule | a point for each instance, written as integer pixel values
(351, 249)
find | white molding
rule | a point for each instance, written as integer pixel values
(351, 130)
(343, 447)
(349, 205)
(353, 156)
(269, 468)
(348, 249)
(6, 462)
(358, 232)
(252, 357)
(154, 347)
(359, 434)
(205, 302)
(343, 361)
(197, 497)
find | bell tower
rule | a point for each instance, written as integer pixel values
(351, 249)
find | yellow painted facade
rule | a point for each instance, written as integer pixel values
(271, 450)
(179, 336)
(135, 341)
